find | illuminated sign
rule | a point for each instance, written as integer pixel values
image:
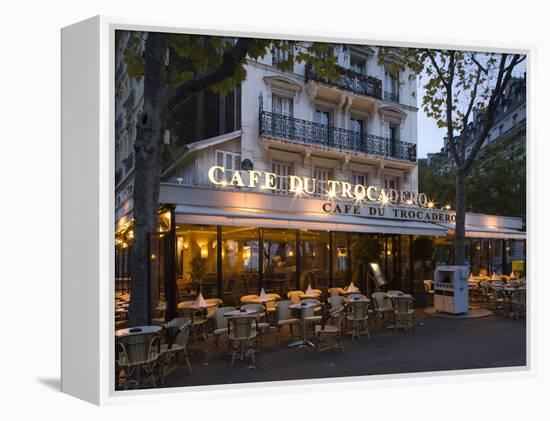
(337, 190)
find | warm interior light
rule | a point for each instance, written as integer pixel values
(448, 207)
(204, 250)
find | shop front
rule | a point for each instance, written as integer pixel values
(226, 243)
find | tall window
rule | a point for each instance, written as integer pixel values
(282, 105)
(392, 86)
(357, 127)
(390, 182)
(358, 65)
(322, 175)
(231, 161)
(283, 170)
(359, 178)
(393, 135)
(282, 52)
(322, 120)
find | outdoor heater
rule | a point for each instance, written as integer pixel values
(451, 289)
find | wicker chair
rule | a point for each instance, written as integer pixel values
(498, 302)
(358, 315)
(271, 306)
(245, 299)
(404, 313)
(138, 351)
(329, 335)
(285, 318)
(382, 305)
(260, 315)
(210, 310)
(220, 322)
(518, 301)
(242, 333)
(294, 296)
(336, 302)
(335, 291)
(310, 313)
(199, 322)
(178, 348)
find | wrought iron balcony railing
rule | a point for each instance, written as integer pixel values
(391, 96)
(349, 81)
(293, 129)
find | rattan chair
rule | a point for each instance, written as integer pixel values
(261, 315)
(246, 299)
(199, 322)
(294, 296)
(335, 291)
(404, 313)
(138, 351)
(220, 322)
(336, 302)
(357, 313)
(178, 348)
(242, 333)
(382, 305)
(285, 318)
(329, 335)
(518, 301)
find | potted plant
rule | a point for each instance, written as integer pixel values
(365, 249)
(198, 267)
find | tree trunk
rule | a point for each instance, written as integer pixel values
(143, 294)
(460, 231)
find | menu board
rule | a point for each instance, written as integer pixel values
(377, 272)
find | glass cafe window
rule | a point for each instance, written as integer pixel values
(279, 256)
(341, 259)
(240, 263)
(196, 260)
(314, 247)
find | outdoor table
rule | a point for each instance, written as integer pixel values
(237, 313)
(357, 300)
(302, 307)
(142, 329)
(357, 291)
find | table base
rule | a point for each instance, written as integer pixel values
(302, 343)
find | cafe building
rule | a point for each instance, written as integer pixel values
(293, 180)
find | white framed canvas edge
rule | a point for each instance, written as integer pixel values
(98, 100)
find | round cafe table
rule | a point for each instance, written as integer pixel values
(346, 293)
(302, 307)
(304, 296)
(138, 330)
(237, 313)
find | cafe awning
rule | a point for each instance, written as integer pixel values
(474, 231)
(205, 215)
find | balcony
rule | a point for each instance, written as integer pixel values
(294, 130)
(350, 81)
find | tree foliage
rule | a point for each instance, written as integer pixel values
(496, 183)
(457, 83)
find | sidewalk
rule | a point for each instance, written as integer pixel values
(434, 345)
